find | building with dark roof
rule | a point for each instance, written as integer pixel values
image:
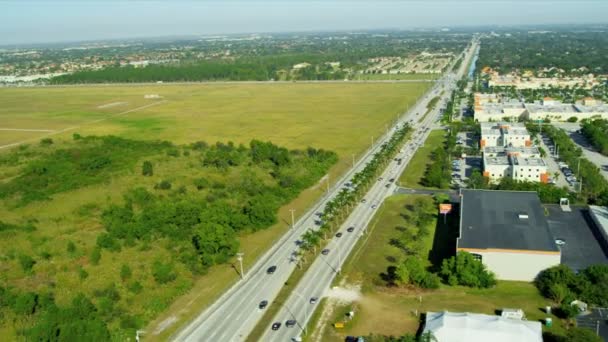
(508, 231)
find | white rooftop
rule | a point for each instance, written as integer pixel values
(471, 327)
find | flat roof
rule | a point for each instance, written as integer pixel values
(498, 160)
(528, 161)
(511, 149)
(555, 108)
(491, 219)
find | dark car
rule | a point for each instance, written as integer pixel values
(313, 300)
(325, 251)
(263, 304)
(350, 229)
(276, 325)
(339, 235)
(271, 269)
(290, 323)
(391, 180)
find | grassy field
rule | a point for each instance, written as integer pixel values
(414, 173)
(392, 311)
(330, 116)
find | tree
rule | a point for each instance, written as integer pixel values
(147, 168)
(163, 272)
(464, 269)
(582, 335)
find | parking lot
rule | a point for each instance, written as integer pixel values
(575, 228)
(566, 176)
(463, 168)
(597, 321)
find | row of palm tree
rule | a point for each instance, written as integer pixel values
(337, 209)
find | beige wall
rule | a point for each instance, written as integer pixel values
(516, 265)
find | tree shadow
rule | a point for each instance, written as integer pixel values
(389, 276)
(391, 259)
(401, 228)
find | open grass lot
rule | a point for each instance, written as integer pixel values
(391, 311)
(414, 173)
(338, 117)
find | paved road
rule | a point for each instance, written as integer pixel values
(323, 270)
(234, 315)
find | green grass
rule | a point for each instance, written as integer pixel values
(415, 170)
(391, 311)
(292, 115)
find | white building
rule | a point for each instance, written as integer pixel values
(470, 327)
(504, 134)
(508, 232)
(518, 163)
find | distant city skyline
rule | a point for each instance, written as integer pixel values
(30, 22)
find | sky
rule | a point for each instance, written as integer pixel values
(28, 21)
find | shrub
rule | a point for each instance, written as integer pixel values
(135, 287)
(163, 185)
(147, 169)
(95, 256)
(125, 272)
(572, 119)
(26, 262)
(46, 142)
(71, 248)
(464, 269)
(82, 273)
(25, 303)
(163, 273)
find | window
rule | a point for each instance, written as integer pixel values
(476, 256)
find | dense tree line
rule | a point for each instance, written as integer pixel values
(594, 185)
(596, 131)
(412, 268)
(535, 51)
(547, 193)
(91, 161)
(562, 285)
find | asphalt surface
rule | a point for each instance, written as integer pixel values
(234, 315)
(323, 270)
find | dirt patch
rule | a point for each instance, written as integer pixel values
(165, 324)
(110, 105)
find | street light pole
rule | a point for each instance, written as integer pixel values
(239, 257)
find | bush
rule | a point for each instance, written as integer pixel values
(163, 185)
(71, 248)
(147, 169)
(26, 262)
(572, 119)
(95, 256)
(566, 311)
(82, 273)
(135, 287)
(163, 273)
(125, 272)
(562, 285)
(25, 303)
(464, 269)
(46, 142)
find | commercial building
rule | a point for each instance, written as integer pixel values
(471, 327)
(508, 232)
(504, 134)
(492, 108)
(530, 168)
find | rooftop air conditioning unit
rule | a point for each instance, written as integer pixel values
(523, 216)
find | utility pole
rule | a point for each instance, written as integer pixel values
(293, 224)
(239, 257)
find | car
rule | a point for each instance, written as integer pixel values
(339, 234)
(271, 269)
(374, 206)
(276, 325)
(380, 178)
(560, 242)
(313, 300)
(290, 323)
(325, 251)
(263, 304)
(350, 229)
(388, 185)
(363, 200)
(391, 180)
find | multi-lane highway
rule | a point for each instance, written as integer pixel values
(299, 306)
(234, 315)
